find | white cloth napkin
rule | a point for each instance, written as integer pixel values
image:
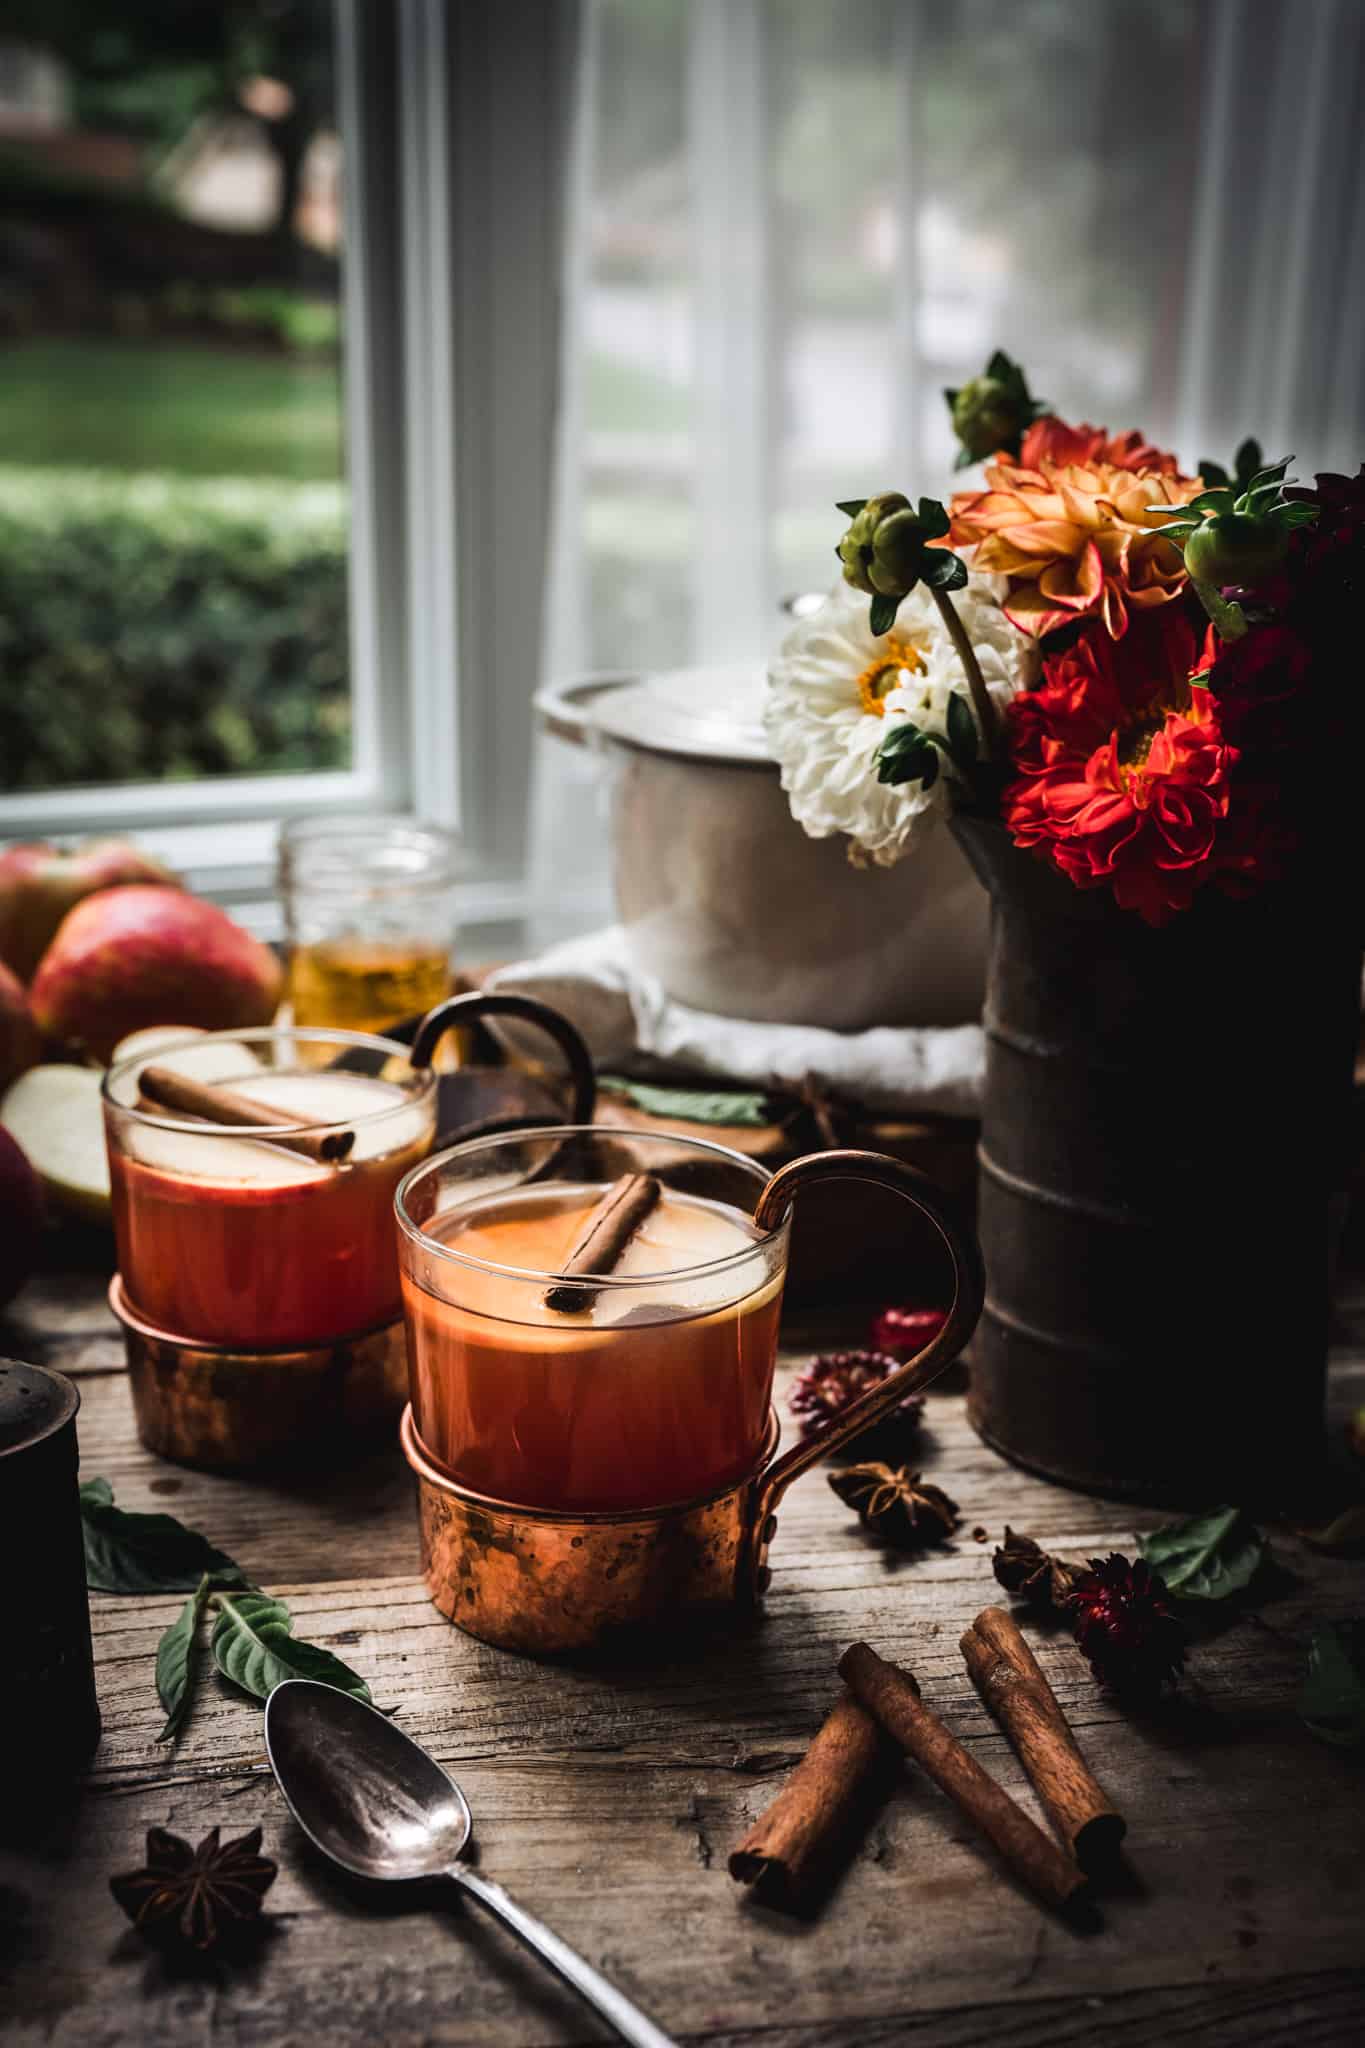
(627, 1020)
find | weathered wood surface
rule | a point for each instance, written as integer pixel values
(607, 1799)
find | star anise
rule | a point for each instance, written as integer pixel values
(897, 1503)
(1032, 1574)
(195, 1896)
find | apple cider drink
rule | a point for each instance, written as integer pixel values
(641, 1385)
(277, 1235)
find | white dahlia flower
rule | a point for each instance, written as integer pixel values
(835, 691)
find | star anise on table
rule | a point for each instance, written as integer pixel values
(195, 1896)
(896, 1503)
(1033, 1575)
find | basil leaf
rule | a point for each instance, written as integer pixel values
(1332, 1702)
(1208, 1556)
(126, 1553)
(253, 1645)
(173, 1654)
(690, 1105)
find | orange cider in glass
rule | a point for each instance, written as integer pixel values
(656, 1391)
(225, 1238)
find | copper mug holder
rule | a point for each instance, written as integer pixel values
(233, 1408)
(547, 1582)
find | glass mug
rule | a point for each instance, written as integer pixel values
(592, 1458)
(227, 1238)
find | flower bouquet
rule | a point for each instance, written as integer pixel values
(1128, 690)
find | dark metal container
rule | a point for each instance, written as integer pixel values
(49, 1716)
(1165, 1136)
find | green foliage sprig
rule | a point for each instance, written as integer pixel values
(252, 1643)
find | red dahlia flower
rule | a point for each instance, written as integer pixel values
(1124, 773)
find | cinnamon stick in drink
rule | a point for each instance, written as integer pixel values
(166, 1089)
(790, 1846)
(1010, 1680)
(893, 1697)
(603, 1239)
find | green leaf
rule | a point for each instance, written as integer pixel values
(962, 733)
(882, 616)
(1208, 1556)
(907, 755)
(950, 396)
(933, 518)
(851, 507)
(173, 1655)
(1214, 474)
(126, 1553)
(1248, 456)
(952, 575)
(253, 1645)
(1332, 1702)
(690, 1105)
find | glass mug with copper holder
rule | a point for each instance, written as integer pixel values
(592, 1328)
(252, 1175)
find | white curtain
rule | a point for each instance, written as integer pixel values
(792, 222)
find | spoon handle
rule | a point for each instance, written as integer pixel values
(615, 2008)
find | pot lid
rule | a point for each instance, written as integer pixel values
(709, 714)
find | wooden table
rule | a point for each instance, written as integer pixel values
(608, 1801)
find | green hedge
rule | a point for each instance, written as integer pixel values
(152, 630)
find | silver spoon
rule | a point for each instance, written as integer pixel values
(372, 1799)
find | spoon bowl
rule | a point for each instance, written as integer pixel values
(372, 1799)
(363, 1792)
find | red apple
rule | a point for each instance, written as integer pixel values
(39, 884)
(131, 957)
(21, 1218)
(18, 1033)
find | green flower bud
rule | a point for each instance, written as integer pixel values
(897, 554)
(987, 415)
(857, 550)
(1233, 547)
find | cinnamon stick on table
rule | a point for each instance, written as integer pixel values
(166, 1089)
(1009, 1679)
(893, 1696)
(790, 1846)
(603, 1239)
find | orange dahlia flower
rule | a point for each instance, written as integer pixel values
(1052, 440)
(1075, 540)
(1125, 775)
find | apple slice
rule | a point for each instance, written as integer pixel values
(53, 1114)
(223, 1061)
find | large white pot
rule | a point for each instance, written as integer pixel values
(725, 900)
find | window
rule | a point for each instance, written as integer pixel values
(182, 641)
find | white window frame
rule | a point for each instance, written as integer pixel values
(427, 289)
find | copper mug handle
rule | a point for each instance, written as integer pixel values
(969, 1287)
(467, 1009)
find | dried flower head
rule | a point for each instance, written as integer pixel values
(897, 1503)
(1032, 1574)
(836, 1378)
(195, 1896)
(1125, 1625)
